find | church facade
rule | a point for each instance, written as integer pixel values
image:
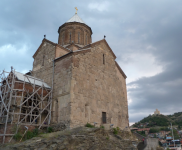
(88, 84)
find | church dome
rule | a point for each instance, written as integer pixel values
(76, 31)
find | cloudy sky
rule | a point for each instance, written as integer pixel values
(145, 35)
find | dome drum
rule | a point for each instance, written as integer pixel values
(75, 31)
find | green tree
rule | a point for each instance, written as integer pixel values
(175, 133)
(153, 130)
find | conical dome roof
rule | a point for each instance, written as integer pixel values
(76, 18)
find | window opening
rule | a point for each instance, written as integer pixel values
(103, 117)
(43, 60)
(103, 59)
(63, 39)
(70, 37)
(86, 40)
(78, 37)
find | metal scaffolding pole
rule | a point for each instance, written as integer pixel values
(23, 102)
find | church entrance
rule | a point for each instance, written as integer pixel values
(103, 117)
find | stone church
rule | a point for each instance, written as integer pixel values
(88, 84)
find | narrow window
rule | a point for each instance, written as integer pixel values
(63, 39)
(104, 117)
(86, 40)
(43, 60)
(70, 37)
(103, 59)
(78, 37)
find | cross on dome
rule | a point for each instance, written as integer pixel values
(76, 10)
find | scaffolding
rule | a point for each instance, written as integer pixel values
(24, 100)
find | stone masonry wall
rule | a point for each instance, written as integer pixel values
(96, 87)
(62, 86)
(60, 52)
(43, 66)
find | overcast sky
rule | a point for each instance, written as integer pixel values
(145, 35)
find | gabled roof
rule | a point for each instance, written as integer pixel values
(22, 77)
(98, 42)
(72, 44)
(121, 71)
(54, 44)
(76, 18)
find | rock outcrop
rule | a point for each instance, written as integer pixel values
(81, 138)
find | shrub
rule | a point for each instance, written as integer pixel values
(102, 127)
(31, 134)
(117, 128)
(49, 129)
(115, 131)
(89, 125)
(17, 136)
(107, 138)
(35, 132)
(153, 130)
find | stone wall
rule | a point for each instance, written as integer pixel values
(43, 65)
(60, 51)
(97, 87)
(62, 86)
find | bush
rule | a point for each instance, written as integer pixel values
(49, 129)
(141, 133)
(31, 134)
(35, 132)
(89, 125)
(153, 130)
(17, 136)
(164, 129)
(116, 130)
(102, 127)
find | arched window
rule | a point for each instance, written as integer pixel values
(86, 40)
(70, 37)
(62, 39)
(78, 37)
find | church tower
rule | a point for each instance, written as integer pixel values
(76, 31)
